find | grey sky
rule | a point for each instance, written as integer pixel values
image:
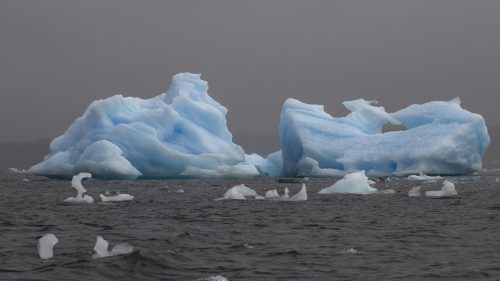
(58, 56)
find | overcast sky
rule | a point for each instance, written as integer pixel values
(58, 56)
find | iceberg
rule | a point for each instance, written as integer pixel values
(414, 191)
(239, 192)
(46, 246)
(116, 198)
(447, 190)
(272, 194)
(301, 195)
(179, 134)
(356, 183)
(440, 138)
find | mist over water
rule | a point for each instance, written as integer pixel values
(189, 236)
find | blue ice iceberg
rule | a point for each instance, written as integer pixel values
(179, 134)
(440, 138)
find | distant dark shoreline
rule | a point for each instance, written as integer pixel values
(23, 155)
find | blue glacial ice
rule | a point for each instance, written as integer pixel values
(440, 138)
(183, 134)
(179, 134)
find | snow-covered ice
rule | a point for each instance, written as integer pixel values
(239, 192)
(179, 134)
(101, 249)
(46, 246)
(448, 189)
(440, 138)
(116, 198)
(76, 183)
(357, 183)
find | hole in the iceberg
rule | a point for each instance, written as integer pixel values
(388, 127)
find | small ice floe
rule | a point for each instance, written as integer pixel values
(180, 191)
(286, 195)
(16, 171)
(239, 192)
(448, 189)
(118, 197)
(248, 246)
(272, 194)
(497, 180)
(46, 246)
(101, 249)
(414, 191)
(76, 182)
(25, 179)
(351, 251)
(301, 195)
(356, 183)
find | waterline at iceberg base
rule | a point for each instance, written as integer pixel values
(183, 134)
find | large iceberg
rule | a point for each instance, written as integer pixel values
(179, 134)
(440, 138)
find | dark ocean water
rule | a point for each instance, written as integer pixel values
(189, 236)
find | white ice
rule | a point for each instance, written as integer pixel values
(101, 249)
(286, 195)
(423, 177)
(76, 183)
(448, 189)
(414, 191)
(16, 171)
(271, 194)
(239, 192)
(46, 246)
(116, 198)
(440, 138)
(357, 183)
(301, 195)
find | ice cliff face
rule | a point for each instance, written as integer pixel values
(441, 138)
(181, 133)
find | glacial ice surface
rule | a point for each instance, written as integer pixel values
(179, 134)
(46, 246)
(440, 138)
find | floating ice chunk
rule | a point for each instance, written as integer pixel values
(76, 183)
(46, 246)
(16, 171)
(414, 191)
(101, 249)
(351, 251)
(25, 179)
(448, 189)
(423, 177)
(239, 192)
(301, 195)
(214, 278)
(179, 134)
(286, 195)
(497, 180)
(116, 198)
(441, 138)
(272, 194)
(357, 183)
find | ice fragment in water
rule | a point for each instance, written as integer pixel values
(423, 177)
(214, 278)
(271, 194)
(448, 189)
(301, 195)
(414, 191)
(239, 192)
(101, 249)
(46, 246)
(357, 183)
(116, 198)
(17, 171)
(498, 180)
(285, 196)
(76, 183)
(351, 251)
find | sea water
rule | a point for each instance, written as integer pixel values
(190, 236)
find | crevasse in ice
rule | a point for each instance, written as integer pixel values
(181, 133)
(440, 138)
